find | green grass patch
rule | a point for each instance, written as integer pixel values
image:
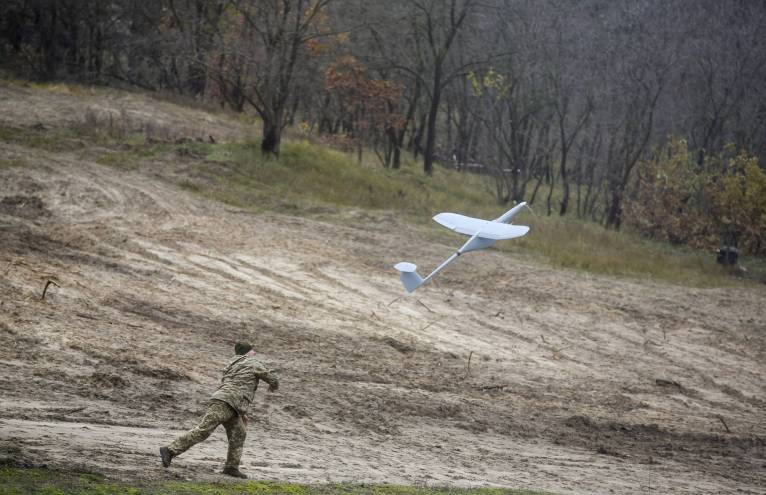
(12, 163)
(129, 155)
(125, 160)
(16, 481)
(126, 153)
(569, 243)
(55, 140)
(307, 175)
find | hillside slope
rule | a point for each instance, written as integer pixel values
(503, 372)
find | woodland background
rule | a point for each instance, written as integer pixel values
(641, 113)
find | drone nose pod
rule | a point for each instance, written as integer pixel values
(405, 266)
(408, 275)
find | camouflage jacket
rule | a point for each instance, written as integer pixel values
(240, 381)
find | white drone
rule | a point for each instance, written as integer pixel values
(483, 234)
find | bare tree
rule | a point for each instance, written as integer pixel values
(433, 29)
(271, 42)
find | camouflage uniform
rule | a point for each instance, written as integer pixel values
(227, 407)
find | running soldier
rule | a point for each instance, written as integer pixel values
(228, 407)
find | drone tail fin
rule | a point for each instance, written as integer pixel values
(508, 215)
(409, 276)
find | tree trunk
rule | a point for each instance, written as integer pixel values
(417, 137)
(450, 147)
(614, 214)
(272, 137)
(564, 183)
(534, 191)
(48, 41)
(428, 157)
(550, 190)
(397, 160)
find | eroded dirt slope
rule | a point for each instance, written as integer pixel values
(575, 383)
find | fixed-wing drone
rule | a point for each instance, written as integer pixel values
(483, 234)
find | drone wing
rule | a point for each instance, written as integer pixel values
(497, 231)
(460, 223)
(485, 229)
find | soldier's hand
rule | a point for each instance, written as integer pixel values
(245, 419)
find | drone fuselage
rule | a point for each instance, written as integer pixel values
(484, 233)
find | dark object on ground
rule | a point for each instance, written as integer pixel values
(667, 383)
(399, 346)
(230, 471)
(241, 348)
(166, 456)
(45, 290)
(727, 255)
(30, 207)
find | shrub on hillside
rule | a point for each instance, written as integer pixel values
(670, 199)
(680, 201)
(739, 203)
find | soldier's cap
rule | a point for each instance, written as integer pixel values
(242, 348)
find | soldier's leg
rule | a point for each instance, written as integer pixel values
(218, 412)
(236, 433)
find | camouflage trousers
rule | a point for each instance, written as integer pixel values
(218, 413)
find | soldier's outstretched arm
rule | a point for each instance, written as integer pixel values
(270, 377)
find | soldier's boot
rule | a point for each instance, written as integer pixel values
(232, 471)
(166, 456)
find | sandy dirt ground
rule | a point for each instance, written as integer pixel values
(504, 372)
